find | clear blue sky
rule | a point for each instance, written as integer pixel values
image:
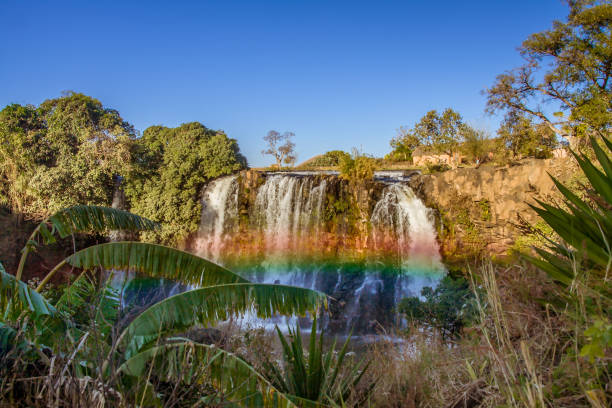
(337, 74)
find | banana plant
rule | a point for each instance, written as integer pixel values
(149, 339)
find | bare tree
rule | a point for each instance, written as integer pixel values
(281, 147)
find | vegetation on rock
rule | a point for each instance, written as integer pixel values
(447, 308)
(357, 167)
(332, 158)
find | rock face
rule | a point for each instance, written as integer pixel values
(487, 204)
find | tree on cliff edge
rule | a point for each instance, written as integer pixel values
(438, 132)
(281, 147)
(570, 66)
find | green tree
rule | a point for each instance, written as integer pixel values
(66, 151)
(520, 136)
(476, 144)
(569, 66)
(21, 129)
(403, 144)
(440, 133)
(171, 167)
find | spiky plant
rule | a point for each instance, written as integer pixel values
(316, 378)
(146, 344)
(581, 263)
(583, 258)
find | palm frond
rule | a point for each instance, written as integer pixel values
(153, 260)
(192, 362)
(89, 218)
(85, 291)
(82, 218)
(16, 296)
(211, 304)
(7, 340)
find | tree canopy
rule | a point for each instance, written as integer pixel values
(63, 152)
(73, 150)
(171, 167)
(441, 133)
(569, 66)
(523, 138)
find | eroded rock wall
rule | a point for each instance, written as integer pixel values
(480, 209)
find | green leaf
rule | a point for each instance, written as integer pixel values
(315, 381)
(236, 379)
(602, 157)
(26, 299)
(88, 218)
(598, 180)
(155, 261)
(211, 304)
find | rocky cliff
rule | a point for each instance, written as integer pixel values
(482, 209)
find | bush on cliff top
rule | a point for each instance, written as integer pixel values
(171, 167)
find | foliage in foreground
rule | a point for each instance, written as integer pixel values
(317, 378)
(581, 263)
(130, 357)
(567, 359)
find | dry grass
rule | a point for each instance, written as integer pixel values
(523, 353)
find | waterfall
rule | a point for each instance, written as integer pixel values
(288, 243)
(220, 202)
(402, 217)
(283, 215)
(411, 223)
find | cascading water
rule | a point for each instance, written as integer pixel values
(401, 216)
(288, 224)
(220, 203)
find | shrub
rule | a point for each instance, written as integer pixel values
(330, 159)
(172, 166)
(358, 167)
(437, 167)
(448, 308)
